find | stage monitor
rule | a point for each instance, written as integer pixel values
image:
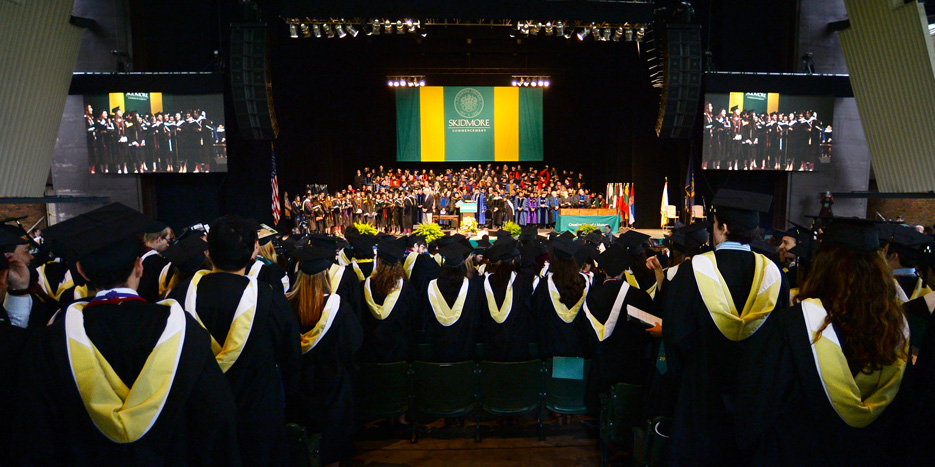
(456, 123)
(766, 131)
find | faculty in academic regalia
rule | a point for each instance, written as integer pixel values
(119, 380)
(563, 329)
(331, 337)
(255, 337)
(391, 307)
(507, 326)
(831, 383)
(622, 347)
(451, 307)
(715, 305)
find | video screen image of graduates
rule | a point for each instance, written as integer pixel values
(767, 131)
(154, 132)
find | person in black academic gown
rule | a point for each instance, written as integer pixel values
(507, 329)
(225, 293)
(14, 321)
(44, 304)
(343, 280)
(710, 322)
(831, 384)
(391, 307)
(331, 337)
(450, 313)
(66, 416)
(156, 240)
(562, 328)
(623, 347)
(265, 269)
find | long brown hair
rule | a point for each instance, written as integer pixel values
(567, 279)
(859, 293)
(307, 297)
(386, 276)
(500, 273)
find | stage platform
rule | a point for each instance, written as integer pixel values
(653, 233)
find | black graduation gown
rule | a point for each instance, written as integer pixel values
(12, 341)
(326, 402)
(149, 283)
(390, 339)
(196, 425)
(626, 356)
(455, 343)
(254, 380)
(556, 337)
(424, 271)
(350, 291)
(785, 417)
(705, 363)
(509, 341)
(272, 274)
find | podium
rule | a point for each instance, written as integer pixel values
(468, 209)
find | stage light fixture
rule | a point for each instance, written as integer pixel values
(389, 83)
(525, 83)
(541, 83)
(560, 29)
(328, 31)
(305, 31)
(549, 30)
(388, 26)
(399, 27)
(606, 36)
(293, 31)
(628, 34)
(596, 32)
(515, 83)
(340, 30)
(421, 82)
(583, 34)
(533, 83)
(316, 30)
(618, 33)
(640, 33)
(534, 29)
(352, 30)
(375, 25)
(546, 84)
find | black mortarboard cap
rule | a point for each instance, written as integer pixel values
(907, 241)
(391, 250)
(740, 207)
(762, 247)
(483, 243)
(351, 232)
(502, 250)
(614, 260)
(454, 254)
(562, 247)
(414, 240)
(188, 255)
(632, 240)
(320, 240)
(11, 236)
(853, 234)
(502, 236)
(568, 235)
(804, 249)
(594, 237)
(265, 234)
(313, 260)
(363, 246)
(94, 230)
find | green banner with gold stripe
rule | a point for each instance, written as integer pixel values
(481, 123)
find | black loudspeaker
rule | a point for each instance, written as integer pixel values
(250, 85)
(681, 88)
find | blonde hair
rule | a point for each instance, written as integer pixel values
(268, 251)
(307, 297)
(152, 237)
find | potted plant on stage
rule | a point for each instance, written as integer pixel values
(513, 228)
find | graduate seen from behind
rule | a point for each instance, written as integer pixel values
(716, 304)
(331, 337)
(831, 384)
(254, 336)
(119, 380)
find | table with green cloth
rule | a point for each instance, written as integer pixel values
(563, 223)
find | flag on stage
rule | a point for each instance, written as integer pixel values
(665, 203)
(632, 204)
(690, 186)
(274, 182)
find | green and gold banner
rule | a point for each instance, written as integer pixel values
(482, 123)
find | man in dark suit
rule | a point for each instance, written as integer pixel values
(428, 206)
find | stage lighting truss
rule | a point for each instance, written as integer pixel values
(312, 27)
(535, 81)
(405, 81)
(584, 31)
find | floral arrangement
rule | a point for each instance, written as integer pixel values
(431, 231)
(513, 228)
(585, 229)
(469, 226)
(365, 228)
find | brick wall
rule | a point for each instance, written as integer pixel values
(914, 211)
(33, 213)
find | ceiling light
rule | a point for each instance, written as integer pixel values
(316, 30)
(376, 28)
(340, 30)
(628, 34)
(293, 31)
(328, 31)
(559, 28)
(606, 36)
(352, 30)
(583, 34)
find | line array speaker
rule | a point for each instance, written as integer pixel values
(250, 83)
(681, 89)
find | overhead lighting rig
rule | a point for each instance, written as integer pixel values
(405, 81)
(313, 27)
(535, 81)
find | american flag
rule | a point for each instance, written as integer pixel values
(274, 182)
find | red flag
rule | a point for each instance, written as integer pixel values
(274, 182)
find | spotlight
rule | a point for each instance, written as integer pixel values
(390, 83)
(316, 30)
(546, 83)
(388, 26)
(399, 27)
(305, 31)
(515, 83)
(376, 28)
(533, 83)
(525, 82)
(548, 29)
(606, 35)
(640, 33)
(559, 28)
(421, 82)
(618, 33)
(293, 31)
(596, 32)
(534, 29)
(541, 83)
(340, 30)
(328, 31)
(352, 30)
(628, 33)
(583, 34)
